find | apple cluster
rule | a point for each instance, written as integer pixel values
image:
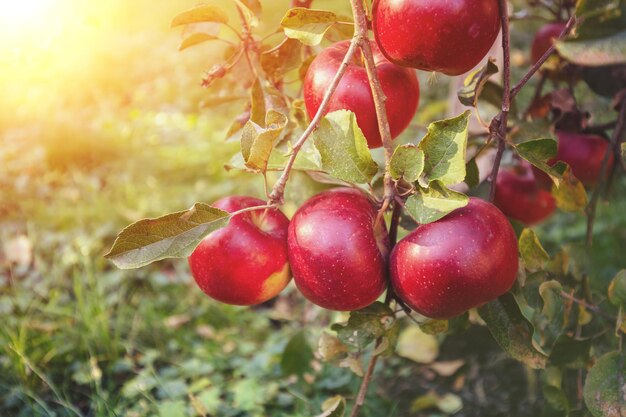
(336, 246)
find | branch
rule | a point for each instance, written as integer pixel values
(277, 194)
(568, 27)
(499, 124)
(362, 34)
(616, 139)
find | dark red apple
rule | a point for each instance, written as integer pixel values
(584, 154)
(544, 38)
(244, 263)
(464, 260)
(520, 197)
(451, 37)
(399, 84)
(337, 253)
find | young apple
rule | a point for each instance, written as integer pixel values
(462, 261)
(451, 37)
(353, 93)
(244, 263)
(544, 38)
(337, 251)
(520, 197)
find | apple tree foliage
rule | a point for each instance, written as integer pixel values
(551, 319)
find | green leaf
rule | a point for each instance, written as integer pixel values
(434, 327)
(343, 148)
(474, 83)
(333, 407)
(529, 130)
(600, 18)
(603, 390)
(407, 162)
(307, 25)
(534, 255)
(538, 152)
(297, 356)
(200, 14)
(610, 50)
(512, 330)
(570, 353)
(417, 346)
(445, 146)
(169, 408)
(195, 39)
(258, 142)
(569, 192)
(366, 325)
(430, 205)
(472, 174)
(623, 148)
(175, 235)
(552, 317)
(617, 289)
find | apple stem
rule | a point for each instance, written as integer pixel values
(278, 191)
(616, 140)
(362, 36)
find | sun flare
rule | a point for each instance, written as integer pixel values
(23, 16)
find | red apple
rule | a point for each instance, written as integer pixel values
(462, 261)
(544, 38)
(584, 154)
(337, 253)
(244, 263)
(444, 36)
(399, 84)
(520, 197)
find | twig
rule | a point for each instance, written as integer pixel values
(277, 194)
(615, 141)
(516, 89)
(360, 398)
(498, 127)
(585, 304)
(361, 33)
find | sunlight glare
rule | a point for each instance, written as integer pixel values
(23, 16)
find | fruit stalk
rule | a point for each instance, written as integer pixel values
(277, 194)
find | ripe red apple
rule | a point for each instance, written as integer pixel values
(444, 36)
(399, 84)
(244, 263)
(337, 253)
(544, 38)
(520, 197)
(459, 262)
(584, 154)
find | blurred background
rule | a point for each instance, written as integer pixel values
(103, 122)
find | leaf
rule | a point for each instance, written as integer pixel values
(407, 162)
(617, 289)
(434, 327)
(258, 111)
(552, 318)
(610, 50)
(444, 147)
(329, 346)
(307, 25)
(600, 18)
(258, 142)
(333, 407)
(603, 390)
(430, 205)
(534, 255)
(538, 152)
(472, 174)
(195, 39)
(447, 403)
(623, 149)
(175, 235)
(297, 356)
(417, 346)
(199, 14)
(512, 330)
(569, 193)
(570, 353)
(365, 325)
(276, 62)
(474, 83)
(250, 9)
(343, 148)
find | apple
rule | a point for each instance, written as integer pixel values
(544, 38)
(244, 263)
(461, 261)
(353, 93)
(451, 37)
(520, 197)
(584, 154)
(337, 251)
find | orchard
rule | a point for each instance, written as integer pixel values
(417, 209)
